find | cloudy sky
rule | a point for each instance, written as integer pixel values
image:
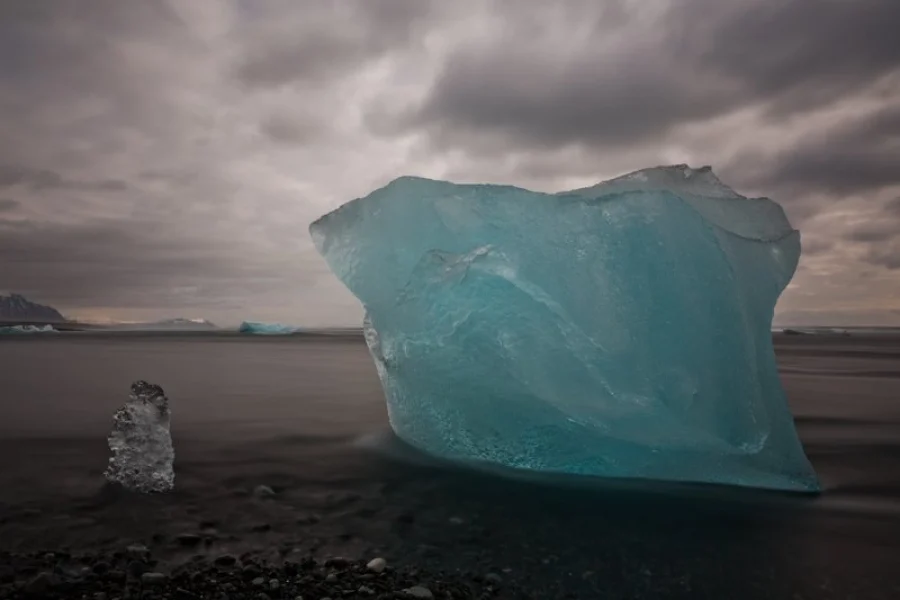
(164, 158)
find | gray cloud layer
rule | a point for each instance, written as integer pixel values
(164, 158)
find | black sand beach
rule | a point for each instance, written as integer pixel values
(305, 418)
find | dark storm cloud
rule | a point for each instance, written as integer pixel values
(128, 263)
(288, 129)
(876, 231)
(887, 257)
(167, 154)
(42, 179)
(856, 155)
(631, 83)
(816, 246)
(8, 204)
(798, 54)
(352, 33)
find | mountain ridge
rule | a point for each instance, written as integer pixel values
(16, 307)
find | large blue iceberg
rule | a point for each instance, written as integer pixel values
(621, 330)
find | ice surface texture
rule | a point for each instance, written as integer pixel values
(622, 330)
(141, 443)
(17, 329)
(267, 328)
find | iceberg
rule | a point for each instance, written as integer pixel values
(18, 329)
(141, 442)
(621, 330)
(267, 328)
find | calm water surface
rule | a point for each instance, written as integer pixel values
(307, 417)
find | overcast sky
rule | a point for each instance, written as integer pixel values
(164, 159)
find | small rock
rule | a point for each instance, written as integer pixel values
(116, 575)
(274, 584)
(188, 539)
(331, 578)
(183, 594)
(250, 571)
(136, 568)
(39, 584)
(456, 520)
(258, 582)
(337, 562)
(417, 591)
(99, 595)
(308, 520)
(226, 560)
(100, 567)
(263, 491)
(493, 578)
(137, 551)
(376, 565)
(365, 591)
(153, 578)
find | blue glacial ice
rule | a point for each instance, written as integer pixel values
(256, 328)
(621, 330)
(20, 329)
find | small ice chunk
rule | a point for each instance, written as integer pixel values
(141, 442)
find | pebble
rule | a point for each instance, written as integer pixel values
(456, 520)
(274, 584)
(263, 491)
(153, 578)
(376, 565)
(258, 582)
(417, 591)
(136, 568)
(225, 560)
(40, 584)
(331, 578)
(365, 591)
(137, 550)
(100, 567)
(188, 539)
(493, 578)
(337, 562)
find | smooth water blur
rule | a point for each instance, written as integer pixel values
(307, 416)
(222, 387)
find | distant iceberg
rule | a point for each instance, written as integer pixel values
(257, 328)
(20, 329)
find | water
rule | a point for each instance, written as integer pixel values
(306, 416)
